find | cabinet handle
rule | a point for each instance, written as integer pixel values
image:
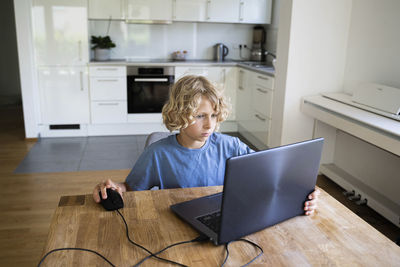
(263, 78)
(174, 9)
(259, 117)
(262, 91)
(80, 50)
(81, 79)
(108, 104)
(241, 11)
(107, 80)
(208, 9)
(107, 68)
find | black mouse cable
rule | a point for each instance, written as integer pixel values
(80, 249)
(243, 240)
(200, 238)
(145, 249)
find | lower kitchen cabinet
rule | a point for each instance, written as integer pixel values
(243, 99)
(254, 105)
(64, 95)
(109, 112)
(259, 126)
(108, 94)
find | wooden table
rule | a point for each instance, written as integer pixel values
(333, 236)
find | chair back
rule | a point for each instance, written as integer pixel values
(155, 136)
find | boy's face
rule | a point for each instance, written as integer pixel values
(196, 134)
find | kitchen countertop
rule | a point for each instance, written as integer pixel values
(253, 66)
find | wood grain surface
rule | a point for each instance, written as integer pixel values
(333, 236)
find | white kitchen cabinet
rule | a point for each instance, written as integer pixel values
(254, 105)
(108, 94)
(255, 11)
(64, 95)
(60, 32)
(262, 94)
(189, 10)
(147, 10)
(223, 11)
(244, 98)
(262, 97)
(223, 77)
(259, 127)
(105, 9)
(230, 85)
(228, 11)
(107, 88)
(109, 112)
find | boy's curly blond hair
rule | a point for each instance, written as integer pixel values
(184, 99)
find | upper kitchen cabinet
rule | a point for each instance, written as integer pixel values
(255, 11)
(149, 10)
(60, 32)
(106, 9)
(223, 11)
(227, 11)
(190, 10)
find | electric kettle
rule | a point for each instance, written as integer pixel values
(220, 52)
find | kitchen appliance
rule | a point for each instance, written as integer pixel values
(257, 51)
(220, 52)
(148, 88)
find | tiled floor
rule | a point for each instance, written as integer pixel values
(83, 153)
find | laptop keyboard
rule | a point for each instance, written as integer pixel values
(212, 220)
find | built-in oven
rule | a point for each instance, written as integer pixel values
(148, 88)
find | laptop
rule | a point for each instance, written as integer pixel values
(261, 189)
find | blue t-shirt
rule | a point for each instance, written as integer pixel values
(167, 164)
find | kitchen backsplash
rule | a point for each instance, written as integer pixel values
(153, 41)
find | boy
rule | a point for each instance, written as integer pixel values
(197, 155)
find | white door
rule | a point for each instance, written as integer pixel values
(149, 10)
(105, 9)
(223, 11)
(60, 32)
(189, 10)
(64, 95)
(255, 11)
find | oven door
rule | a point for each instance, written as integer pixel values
(148, 94)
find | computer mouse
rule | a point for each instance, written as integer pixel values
(113, 201)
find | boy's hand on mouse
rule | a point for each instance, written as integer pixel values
(311, 205)
(102, 187)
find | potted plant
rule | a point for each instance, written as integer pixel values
(101, 47)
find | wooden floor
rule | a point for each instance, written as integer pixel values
(29, 200)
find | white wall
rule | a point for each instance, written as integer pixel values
(27, 70)
(312, 43)
(373, 53)
(156, 41)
